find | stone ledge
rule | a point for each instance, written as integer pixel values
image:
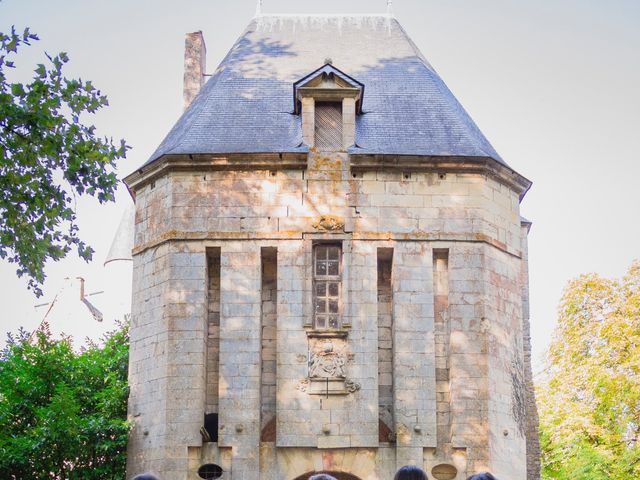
(229, 162)
(417, 236)
(442, 164)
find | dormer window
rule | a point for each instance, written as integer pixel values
(328, 100)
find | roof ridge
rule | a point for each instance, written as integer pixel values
(324, 15)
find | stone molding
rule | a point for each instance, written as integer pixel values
(328, 386)
(442, 164)
(298, 161)
(199, 162)
(418, 236)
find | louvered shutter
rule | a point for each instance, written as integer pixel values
(328, 124)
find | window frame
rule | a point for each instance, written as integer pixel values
(327, 279)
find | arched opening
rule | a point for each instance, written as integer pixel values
(338, 475)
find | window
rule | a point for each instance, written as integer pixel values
(328, 126)
(327, 283)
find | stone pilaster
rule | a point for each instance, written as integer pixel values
(468, 356)
(505, 360)
(148, 359)
(293, 425)
(348, 122)
(308, 121)
(240, 321)
(533, 441)
(414, 351)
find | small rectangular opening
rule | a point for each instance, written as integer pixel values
(211, 426)
(212, 367)
(442, 331)
(385, 344)
(268, 334)
(213, 329)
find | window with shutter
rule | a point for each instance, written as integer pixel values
(328, 126)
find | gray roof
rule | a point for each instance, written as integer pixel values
(122, 244)
(247, 106)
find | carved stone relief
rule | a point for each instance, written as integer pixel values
(351, 386)
(329, 223)
(327, 360)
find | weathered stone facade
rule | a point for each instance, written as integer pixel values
(427, 363)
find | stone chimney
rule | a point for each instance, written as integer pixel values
(195, 64)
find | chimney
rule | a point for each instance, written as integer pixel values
(195, 63)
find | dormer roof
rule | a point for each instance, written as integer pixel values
(245, 107)
(324, 82)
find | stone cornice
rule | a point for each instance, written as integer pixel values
(298, 161)
(207, 162)
(418, 236)
(334, 94)
(443, 164)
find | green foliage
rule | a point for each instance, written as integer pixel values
(63, 414)
(47, 157)
(590, 400)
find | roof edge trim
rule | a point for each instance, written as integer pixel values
(444, 164)
(298, 161)
(208, 162)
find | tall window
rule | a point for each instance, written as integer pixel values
(327, 280)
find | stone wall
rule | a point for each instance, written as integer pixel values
(148, 361)
(532, 438)
(221, 204)
(240, 354)
(507, 395)
(414, 351)
(457, 354)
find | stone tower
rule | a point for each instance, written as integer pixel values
(330, 270)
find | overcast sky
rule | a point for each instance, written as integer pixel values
(553, 84)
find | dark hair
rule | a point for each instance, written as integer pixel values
(482, 476)
(410, 472)
(322, 476)
(146, 476)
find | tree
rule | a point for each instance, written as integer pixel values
(47, 157)
(63, 414)
(590, 399)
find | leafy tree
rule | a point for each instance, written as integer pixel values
(590, 399)
(48, 155)
(63, 414)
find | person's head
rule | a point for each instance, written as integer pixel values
(322, 476)
(482, 476)
(146, 476)
(410, 472)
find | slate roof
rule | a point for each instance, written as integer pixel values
(246, 106)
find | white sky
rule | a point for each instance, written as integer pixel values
(553, 84)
